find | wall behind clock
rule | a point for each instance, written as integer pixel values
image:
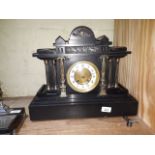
(137, 71)
(22, 75)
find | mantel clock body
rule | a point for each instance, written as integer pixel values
(82, 79)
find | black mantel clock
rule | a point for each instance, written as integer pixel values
(82, 79)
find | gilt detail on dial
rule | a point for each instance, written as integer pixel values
(83, 76)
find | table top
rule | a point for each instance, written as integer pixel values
(82, 126)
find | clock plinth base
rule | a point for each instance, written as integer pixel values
(45, 107)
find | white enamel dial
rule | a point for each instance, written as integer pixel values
(83, 76)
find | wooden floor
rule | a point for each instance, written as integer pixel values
(91, 126)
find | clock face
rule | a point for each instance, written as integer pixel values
(83, 76)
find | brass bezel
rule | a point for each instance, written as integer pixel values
(83, 90)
